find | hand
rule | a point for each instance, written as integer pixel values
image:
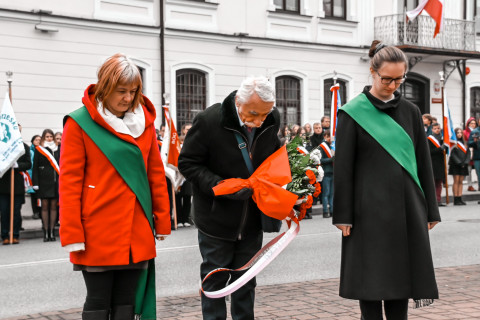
(345, 230)
(242, 194)
(444, 147)
(159, 237)
(432, 224)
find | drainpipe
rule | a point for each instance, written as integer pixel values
(162, 57)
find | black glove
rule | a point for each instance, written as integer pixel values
(242, 194)
(444, 147)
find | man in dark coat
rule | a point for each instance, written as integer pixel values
(437, 150)
(317, 137)
(23, 164)
(230, 228)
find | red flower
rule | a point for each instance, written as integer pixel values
(309, 202)
(311, 176)
(302, 212)
(318, 189)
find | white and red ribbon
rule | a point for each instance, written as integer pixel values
(262, 259)
(461, 146)
(27, 181)
(50, 158)
(434, 141)
(327, 149)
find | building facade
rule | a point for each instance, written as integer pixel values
(209, 46)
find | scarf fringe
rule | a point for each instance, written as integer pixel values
(422, 303)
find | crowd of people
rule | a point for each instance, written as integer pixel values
(35, 173)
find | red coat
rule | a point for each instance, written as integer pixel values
(96, 205)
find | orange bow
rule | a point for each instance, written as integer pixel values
(266, 182)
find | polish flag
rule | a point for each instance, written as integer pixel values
(434, 8)
(449, 136)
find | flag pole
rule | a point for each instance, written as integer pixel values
(12, 172)
(442, 81)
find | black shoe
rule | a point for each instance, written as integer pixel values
(96, 315)
(441, 204)
(45, 236)
(51, 235)
(36, 215)
(463, 203)
(22, 229)
(327, 215)
(122, 313)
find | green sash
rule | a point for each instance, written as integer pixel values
(128, 161)
(389, 134)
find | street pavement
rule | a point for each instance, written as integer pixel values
(37, 282)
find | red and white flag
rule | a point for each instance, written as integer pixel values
(434, 8)
(170, 150)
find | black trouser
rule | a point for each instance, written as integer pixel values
(184, 204)
(110, 288)
(394, 309)
(218, 253)
(5, 215)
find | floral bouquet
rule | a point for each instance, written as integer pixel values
(306, 175)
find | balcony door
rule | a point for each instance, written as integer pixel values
(416, 89)
(475, 102)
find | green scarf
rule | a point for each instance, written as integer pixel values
(128, 161)
(388, 133)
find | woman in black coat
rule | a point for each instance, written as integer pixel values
(45, 177)
(458, 166)
(384, 210)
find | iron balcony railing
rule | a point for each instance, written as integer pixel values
(395, 30)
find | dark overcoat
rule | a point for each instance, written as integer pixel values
(438, 159)
(387, 255)
(24, 164)
(44, 175)
(210, 154)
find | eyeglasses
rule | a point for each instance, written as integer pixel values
(387, 81)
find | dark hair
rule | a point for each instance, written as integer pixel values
(35, 137)
(44, 133)
(436, 125)
(326, 133)
(380, 53)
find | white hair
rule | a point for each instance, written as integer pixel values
(260, 85)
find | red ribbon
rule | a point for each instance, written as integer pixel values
(266, 182)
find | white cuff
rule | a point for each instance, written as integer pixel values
(75, 247)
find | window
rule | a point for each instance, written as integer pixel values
(475, 102)
(416, 89)
(190, 95)
(287, 5)
(327, 95)
(287, 90)
(335, 8)
(411, 4)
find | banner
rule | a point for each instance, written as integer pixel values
(434, 8)
(170, 150)
(449, 136)
(11, 143)
(336, 104)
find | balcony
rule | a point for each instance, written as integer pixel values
(458, 36)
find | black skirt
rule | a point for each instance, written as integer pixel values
(456, 170)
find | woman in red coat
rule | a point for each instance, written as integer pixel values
(109, 219)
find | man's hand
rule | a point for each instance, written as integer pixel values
(432, 224)
(345, 230)
(242, 194)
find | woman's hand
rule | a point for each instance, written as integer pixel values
(345, 230)
(432, 224)
(159, 237)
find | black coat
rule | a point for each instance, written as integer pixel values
(24, 164)
(316, 140)
(44, 175)
(387, 255)
(326, 162)
(459, 158)
(210, 154)
(438, 160)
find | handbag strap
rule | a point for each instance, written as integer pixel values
(242, 145)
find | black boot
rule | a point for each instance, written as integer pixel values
(122, 313)
(463, 203)
(45, 236)
(51, 235)
(326, 215)
(95, 315)
(455, 201)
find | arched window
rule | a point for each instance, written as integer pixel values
(287, 90)
(475, 102)
(190, 95)
(327, 94)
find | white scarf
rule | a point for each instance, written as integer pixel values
(133, 122)
(51, 145)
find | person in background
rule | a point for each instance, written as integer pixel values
(383, 210)
(474, 143)
(325, 121)
(295, 129)
(437, 154)
(284, 134)
(317, 137)
(427, 123)
(469, 127)
(58, 141)
(23, 163)
(45, 178)
(326, 161)
(308, 129)
(107, 223)
(35, 141)
(458, 166)
(183, 199)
